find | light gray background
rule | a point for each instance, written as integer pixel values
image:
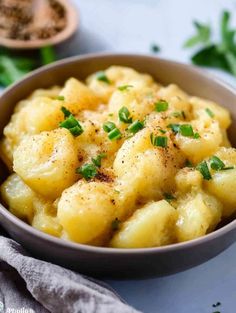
(131, 26)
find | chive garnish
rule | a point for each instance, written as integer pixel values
(135, 127)
(101, 76)
(161, 106)
(108, 126)
(124, 115)
(61, 98)
(159, 141)
(186, 130)
(114, 134)
(88, 171)
(125, 87)
(174, 127)
(196, 136)
(71, 123)
(216, 163)
(204, 170)
(98, 160)
(169, 197)
(209, 112)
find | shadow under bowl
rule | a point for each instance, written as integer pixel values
(107, 262)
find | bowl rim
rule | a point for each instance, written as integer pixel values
(107, 250)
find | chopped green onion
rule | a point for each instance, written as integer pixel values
(162, 131)
(114, 134)
(61, 98)
(216, 163)
(124, 115)
(158, 141)
(115, 224)
(179, 114)
(196, 136)
(108, 126)
(135, 127)
(73, 125)
(174, 127)
(168, 197)
(204, 170)
(88, 171)
(209, 112)
(161, 106)
(186, 130)
(101, 76)
(125, 87)
(66, 112)
(98, 160)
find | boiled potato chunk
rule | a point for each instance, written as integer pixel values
(78, 96)
(200, 107)
(208, 143)
(145, 172)
(47, 162)
(187, 179)
(198, 215)
(151, 226)
(47, 224)
(86, 210)
(19, 197)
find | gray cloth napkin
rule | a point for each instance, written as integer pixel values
(28, 285)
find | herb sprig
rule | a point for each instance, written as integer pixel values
(220, 54)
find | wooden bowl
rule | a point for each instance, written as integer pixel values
(72, 22)
(109, 262)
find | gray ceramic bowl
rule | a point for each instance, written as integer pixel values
(119, 262)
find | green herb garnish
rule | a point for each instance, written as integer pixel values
(88, 171)
(101, 76)
(114, 134)
(125, 87)
(169, 197)
(186, 130)
(227, 168)
(124, 115)
(180, 114)
(135, 127)
(204, 170)
(174, 127)
(161, 106)
(98, 160)
(60, 98)
(196, 136)
(216, 163)
(188, 163)
(159, 141)
(209, 112)
(71, 123)
(108, 126)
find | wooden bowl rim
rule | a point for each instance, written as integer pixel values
(70, 28)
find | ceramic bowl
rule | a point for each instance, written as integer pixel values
(109, 262)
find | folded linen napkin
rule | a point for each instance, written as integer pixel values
(28, 285)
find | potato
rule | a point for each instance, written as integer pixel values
(42, 114)
(208, 143)
(219, 113)
(19, 197)
(151, 226)
(145, 172)
(188, 179)
(198, 214)
(172, 91)
(78, 96)
(47, 224)
(47, 162)
(86, 210)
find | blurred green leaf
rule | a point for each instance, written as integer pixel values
(202, 36)
(47, 55)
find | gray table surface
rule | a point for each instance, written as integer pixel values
(131, 26)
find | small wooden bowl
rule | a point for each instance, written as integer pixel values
(72, 22)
